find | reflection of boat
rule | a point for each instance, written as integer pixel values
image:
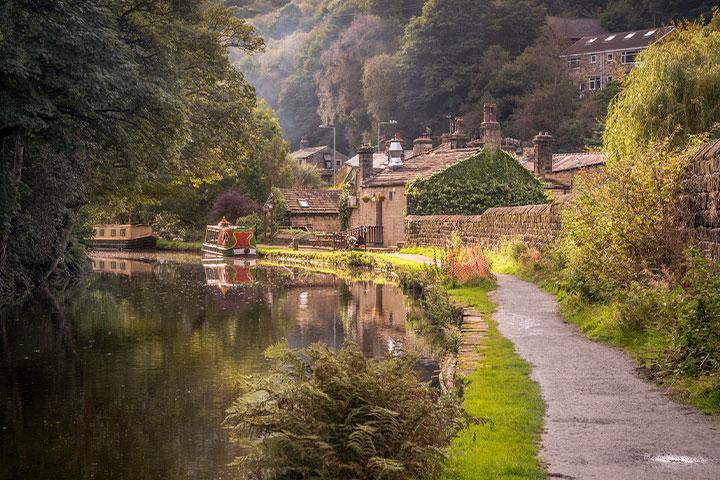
(229, 240)
(121, 266)
(123, 237)
(226, 273)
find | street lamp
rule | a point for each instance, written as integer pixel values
(389, 122)
(333, 129)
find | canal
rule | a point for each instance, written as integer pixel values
(128, 374)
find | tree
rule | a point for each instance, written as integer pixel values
(233, 204)
(621, 15)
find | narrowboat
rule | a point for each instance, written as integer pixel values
(123, 237)
(229, 240)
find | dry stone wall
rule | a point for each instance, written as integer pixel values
(534, 224)
(703, 198)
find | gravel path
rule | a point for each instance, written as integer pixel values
(603, 421)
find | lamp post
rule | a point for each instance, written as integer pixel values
(333, 160)
(388, 122)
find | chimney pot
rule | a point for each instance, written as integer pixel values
(422, 144)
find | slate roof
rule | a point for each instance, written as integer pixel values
(422, 165)
(563, 162)
(318, 200)
(631, 40)
(574, 28)
(307, 151)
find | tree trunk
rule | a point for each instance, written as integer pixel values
(65, 240)
(18, 152)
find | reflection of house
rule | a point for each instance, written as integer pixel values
(120, 266)
(314, 209)
(594, 61)
(558, 170)
(122, 236)
(320, 157)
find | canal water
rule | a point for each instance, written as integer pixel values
(128, 375)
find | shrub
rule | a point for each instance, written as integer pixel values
(468, 265)
(329, 415)
(232, 204)
(698, 330)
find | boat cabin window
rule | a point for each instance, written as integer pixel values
(122, 232)
(113, 232)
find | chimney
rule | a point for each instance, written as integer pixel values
(422, 144)
(491, 133)
(365, 154)
(304, 142)
(459, 139)
(543, 142)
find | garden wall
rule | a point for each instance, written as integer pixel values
(703, 198)
(534, 224)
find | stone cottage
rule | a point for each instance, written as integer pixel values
(316, 210)
(595, 61)
(557, 170)
(320, 157)
(380, 202)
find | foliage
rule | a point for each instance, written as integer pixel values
(344, 210)
(492, 178)
(623, 15)
(671, 93)
(278, 215)
(320, 414)
(232, 204)
(467, 265)
(624, 223)
(698, 329)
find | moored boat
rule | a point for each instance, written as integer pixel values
(123, 237)
(229, 240)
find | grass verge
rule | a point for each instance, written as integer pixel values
(501, 390)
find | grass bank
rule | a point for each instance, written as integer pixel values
(178, 246)
(633, 322)
(500, 390)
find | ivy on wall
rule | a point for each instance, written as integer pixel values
(343, 208)
(492, 178)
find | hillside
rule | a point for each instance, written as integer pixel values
(354, 63)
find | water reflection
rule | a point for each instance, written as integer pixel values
(129, 375)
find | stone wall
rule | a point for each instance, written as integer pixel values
(534, 224)
(703, 198)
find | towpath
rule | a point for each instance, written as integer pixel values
(603, 421)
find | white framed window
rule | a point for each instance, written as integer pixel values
(611, 37)
(628, 58)
(303, 203)
(629, 35)
(647, 34)
(590, 41)
(574, 62)
(595, 82)
(593, 58)
(609, 57)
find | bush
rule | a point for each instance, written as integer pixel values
(698, 330)
(233, 204)
(329, 415)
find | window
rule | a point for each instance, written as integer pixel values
(113, 265)
(390, 195)
(122, 232)
(113, 232)
(610, 38)
(593, 58)
(101, 232)
(590, 41)
(122, 265)
(649, 33)
(609, 57)
(594, 83)
(573, 62)
(338, 162)
(609, 79)
(303, 203)
(628, 57)
(102, 264)
(328, 160)
(629, 35)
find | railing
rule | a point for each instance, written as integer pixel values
(373, 235)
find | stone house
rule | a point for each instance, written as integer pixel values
(557, 170)
(316, 210)
(380, 199)
(595, 61)
(321, 157)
